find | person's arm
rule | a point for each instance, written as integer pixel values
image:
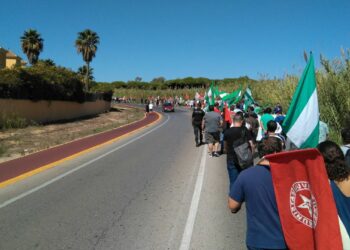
(252, 146)
(262, 126)
(236, 196)
(233, 205)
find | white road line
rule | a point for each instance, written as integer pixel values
(16, 198)
(187, 235)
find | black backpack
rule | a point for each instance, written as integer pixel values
(242, 151)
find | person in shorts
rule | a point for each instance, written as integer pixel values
(212, 122)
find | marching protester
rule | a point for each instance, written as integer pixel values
(339, 174)
(265, 118)
(275, 130)
(197, 119)
(254, 187)
(345, 134)
(279, 115)
(147, 107)
(150, 106)
(323, 132)
(252, 120)
(212, 122)
(234, 137)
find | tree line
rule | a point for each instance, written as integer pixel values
(160, 83)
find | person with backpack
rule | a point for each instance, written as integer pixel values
(239, 147)
(274, 131)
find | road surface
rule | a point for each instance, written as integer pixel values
(151, 190)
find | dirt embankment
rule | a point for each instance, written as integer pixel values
(15, 143)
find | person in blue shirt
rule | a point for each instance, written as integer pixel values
(279, 116)
(339, 174)
(254, 187)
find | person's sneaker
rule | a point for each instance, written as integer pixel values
(215, 154)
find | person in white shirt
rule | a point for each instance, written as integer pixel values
(345, 134)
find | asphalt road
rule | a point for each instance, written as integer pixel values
(151, 190)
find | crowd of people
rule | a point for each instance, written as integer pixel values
(246, 137)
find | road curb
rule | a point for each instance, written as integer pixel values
(21, 168)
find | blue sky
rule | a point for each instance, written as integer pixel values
(179, 38)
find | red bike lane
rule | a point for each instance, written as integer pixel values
(20, 166)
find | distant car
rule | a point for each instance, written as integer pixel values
(168, 107)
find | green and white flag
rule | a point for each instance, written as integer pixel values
(234, 97)
(248, 98)
(302, 120)
(222, 94)
(212, 94)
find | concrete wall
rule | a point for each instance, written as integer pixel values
(48, 111)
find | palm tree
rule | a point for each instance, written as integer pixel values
(83, 72)
(86, 44)
(32, 44)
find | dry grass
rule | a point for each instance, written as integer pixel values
(18, 142)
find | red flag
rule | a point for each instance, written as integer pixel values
(305, 201)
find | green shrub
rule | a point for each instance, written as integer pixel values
(44, 82)
(3, 149)
(9, 121)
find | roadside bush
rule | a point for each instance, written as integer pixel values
(9, 121)
(45, 82)
(3, 149)
(41, 82)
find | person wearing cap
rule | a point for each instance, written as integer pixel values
(277, 108)
(279, 116)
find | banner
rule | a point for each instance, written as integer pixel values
(305, 201)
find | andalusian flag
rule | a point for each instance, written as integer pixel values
(212, 93)
(222, 94)
(302, 120)
(234, 97)
(248, 98)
